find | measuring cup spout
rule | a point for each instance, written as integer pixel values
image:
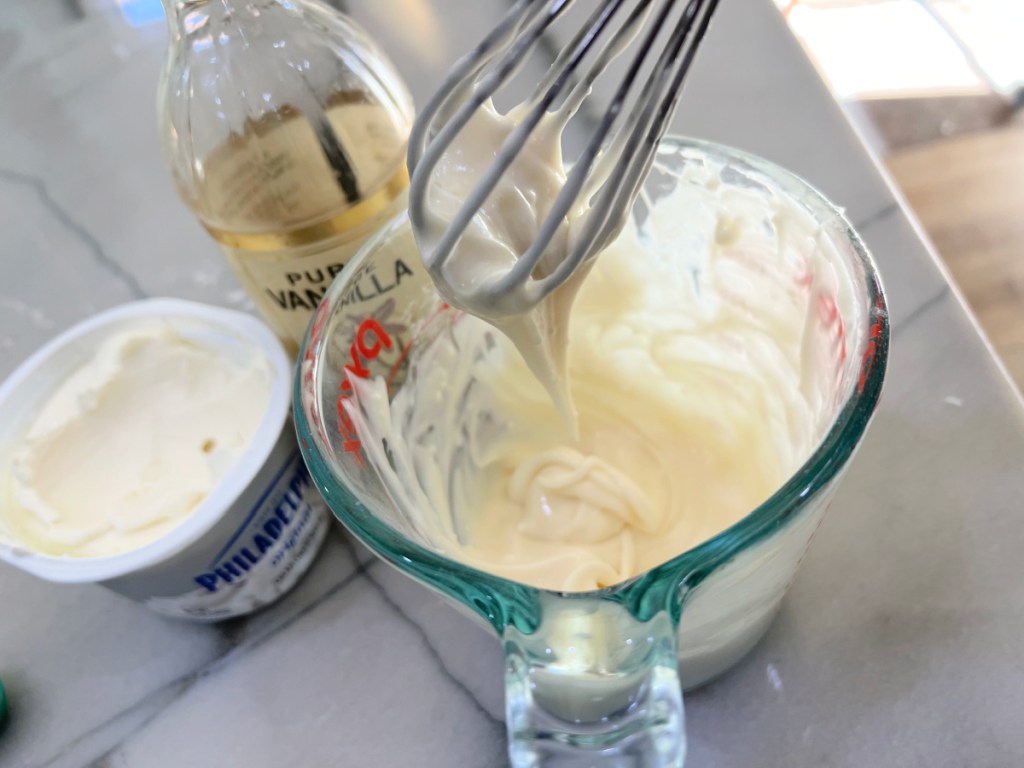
(593, 686)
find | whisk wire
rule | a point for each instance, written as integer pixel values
(427, 147)
(608, 173)
(460, 80)
(672, 68)
(619, 158)
(583, 169)
(570, 55)
(513, 143)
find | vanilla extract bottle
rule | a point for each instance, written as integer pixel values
(284, 128)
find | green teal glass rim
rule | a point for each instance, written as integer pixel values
(501, 602)
(3, 707)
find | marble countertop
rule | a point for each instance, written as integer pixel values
(898, 645)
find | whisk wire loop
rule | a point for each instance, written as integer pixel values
(609, 172)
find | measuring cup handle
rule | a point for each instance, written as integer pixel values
(594, 686)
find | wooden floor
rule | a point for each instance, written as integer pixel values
(968, 193)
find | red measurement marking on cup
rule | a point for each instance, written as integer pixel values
(371, 339)
(317, 329)
(405, 350)
(868, 361)
(805, 275)
(830, 317)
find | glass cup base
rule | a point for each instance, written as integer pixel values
(568, 707)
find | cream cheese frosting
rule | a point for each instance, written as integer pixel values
(129, 444)
(702, 360)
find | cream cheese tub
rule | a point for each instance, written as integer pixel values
(150, 449)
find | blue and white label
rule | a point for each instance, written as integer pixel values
(264, 557)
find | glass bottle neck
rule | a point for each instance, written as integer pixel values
(178, 11)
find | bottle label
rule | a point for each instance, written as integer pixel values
(294, 195)
(288, 274)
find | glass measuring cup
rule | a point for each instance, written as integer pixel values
(594, 678)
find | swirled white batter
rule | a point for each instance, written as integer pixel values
(702, 361)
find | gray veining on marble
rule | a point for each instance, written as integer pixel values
(899, 644)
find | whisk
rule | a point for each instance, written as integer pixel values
(609, 172)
